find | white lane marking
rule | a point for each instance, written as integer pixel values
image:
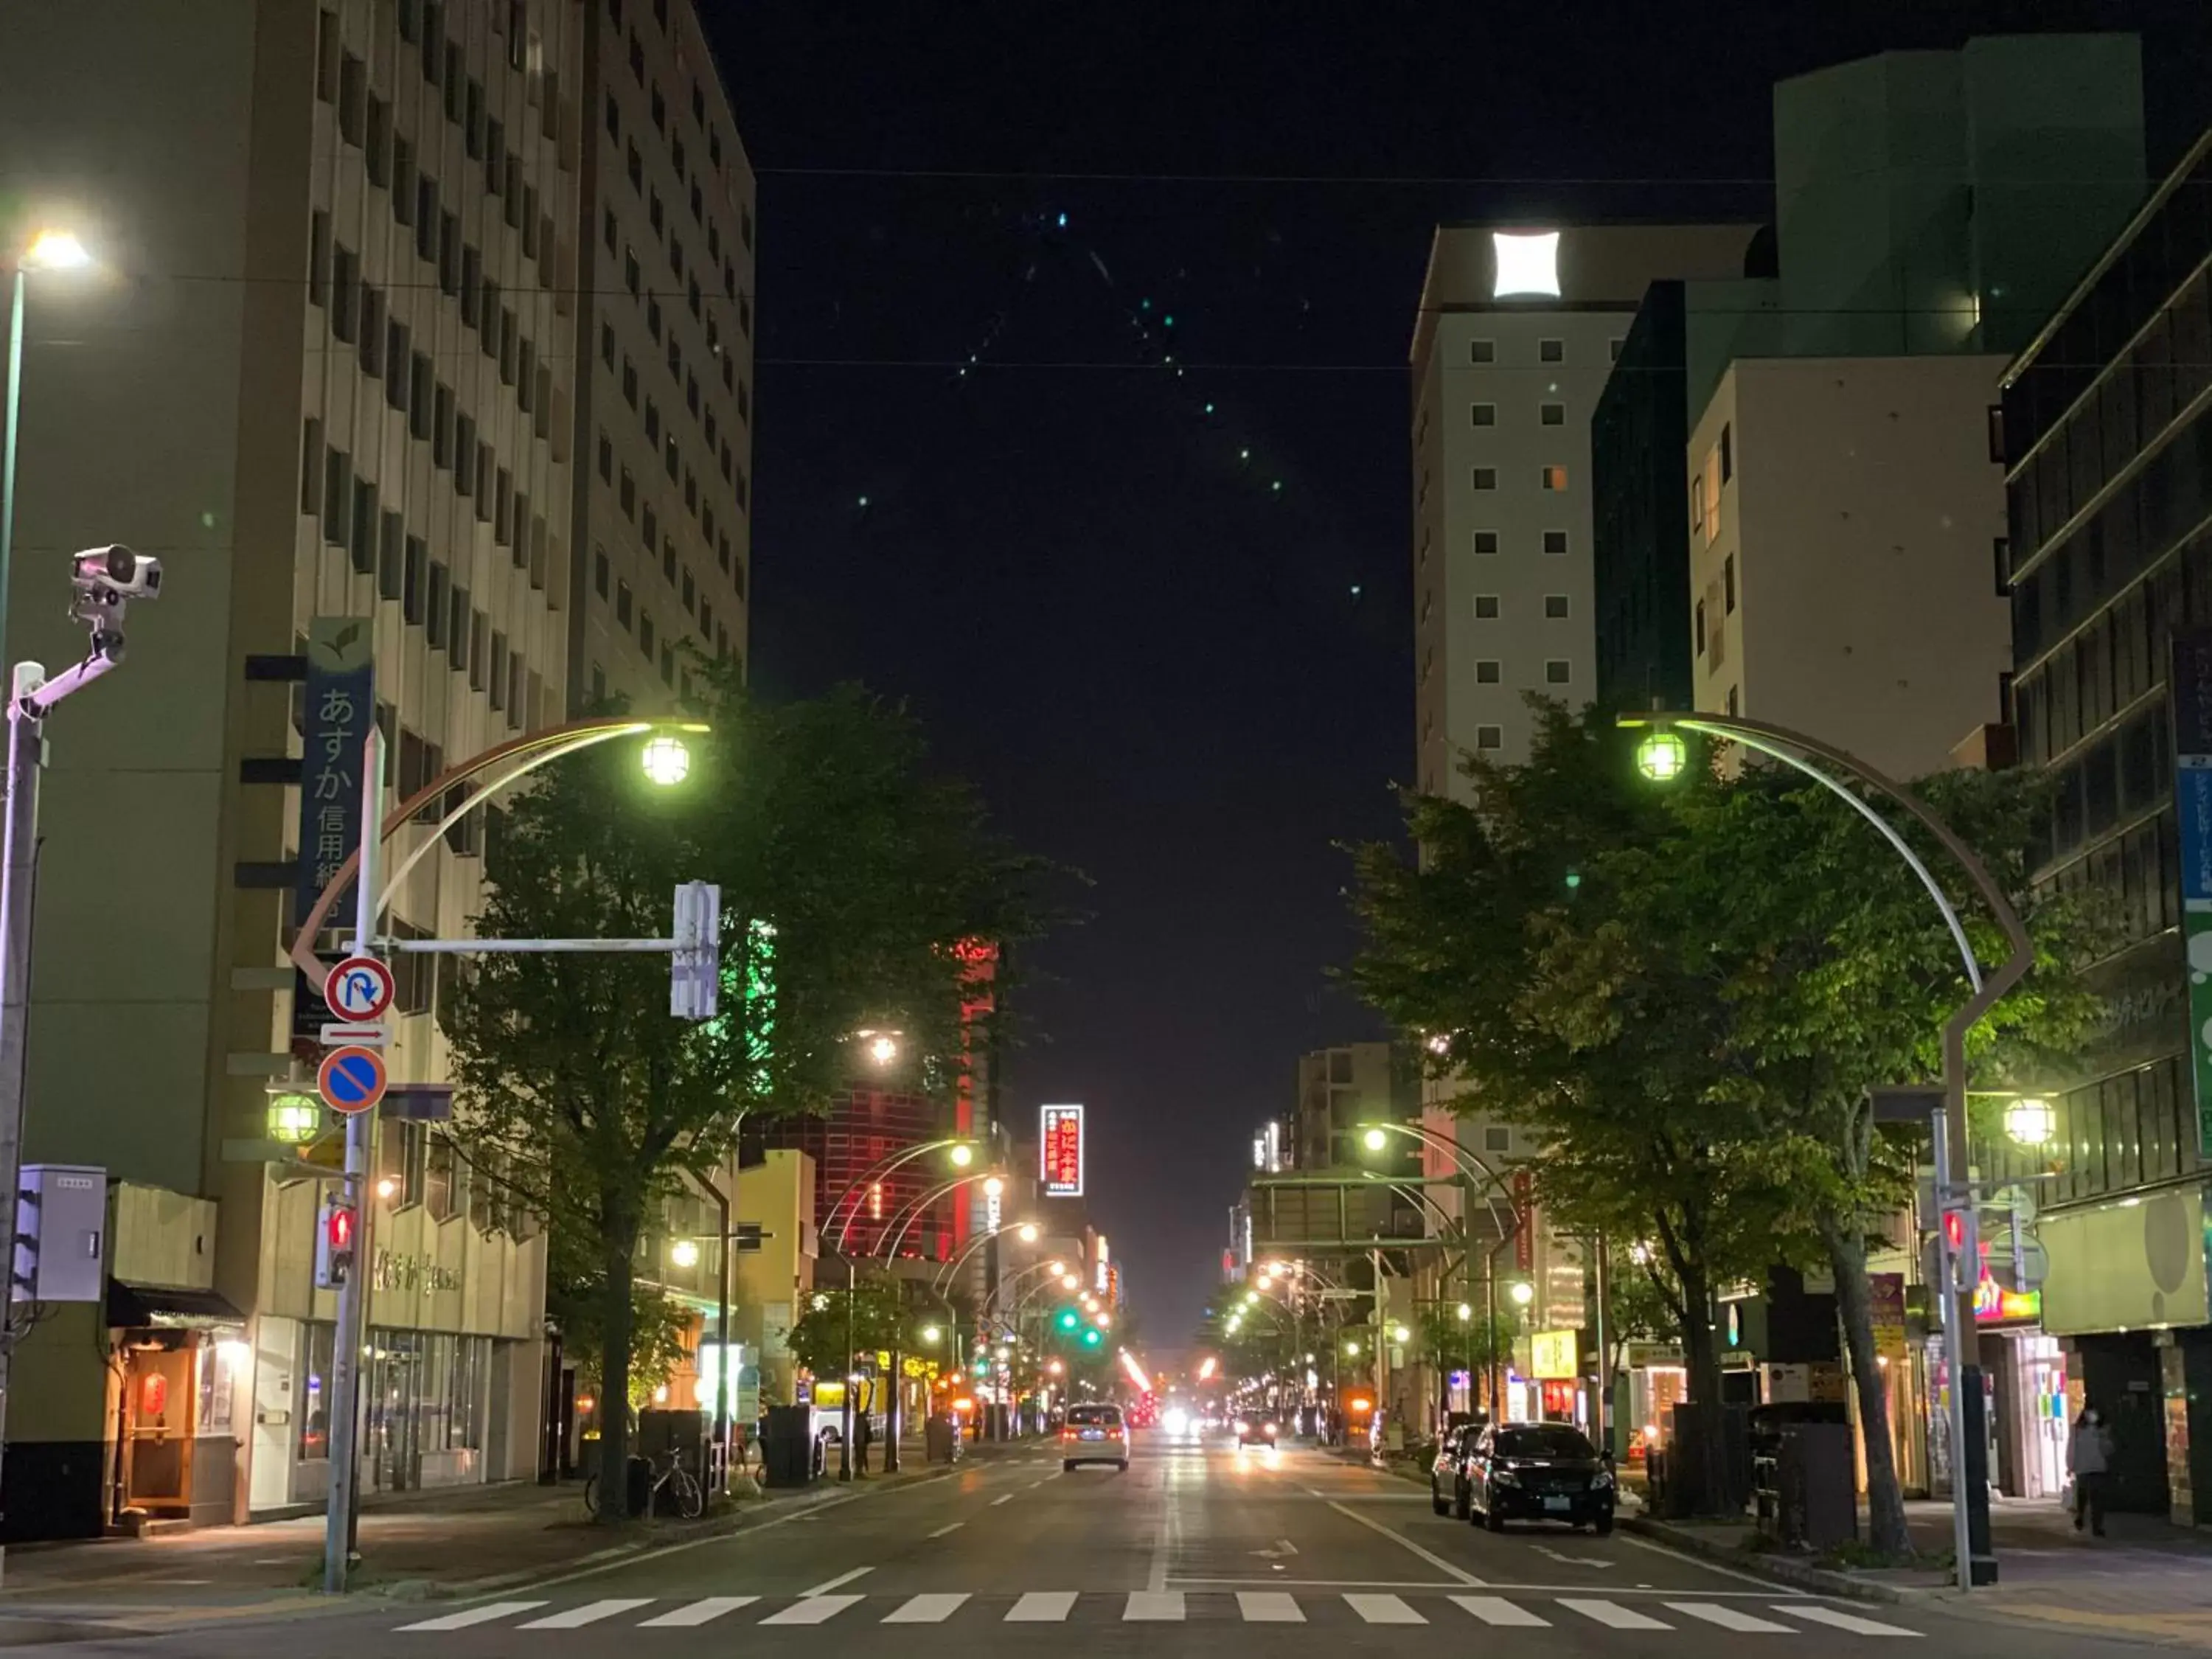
(483, 1615)
(1383, 1610)
(832, 1584)
(1613, 1613)
(1496, 1610)
(1276, 1550)
(1003, 1497)
(814, 1610)
(1841, 1620)
(1574, 1560)
(1041, 1608)
(1269, 1607)
(622, 1558)
(1693, 1560)
(1166, 1605)
(590, 1613)
(1730, 1619)
(926, 1609)
(1404, 1542)
(953, 1527)
(704, 1611)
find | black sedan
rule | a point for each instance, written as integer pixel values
(1539, 1472)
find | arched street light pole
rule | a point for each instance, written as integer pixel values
(1659, 756)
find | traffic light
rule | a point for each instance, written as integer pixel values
(334, 1244)
(1067, 1319)
(1093, 1338)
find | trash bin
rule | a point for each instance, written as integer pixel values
(638, 1489)
(787, 1446)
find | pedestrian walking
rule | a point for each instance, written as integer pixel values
(2089, 1459)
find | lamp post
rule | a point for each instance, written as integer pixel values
(1661, 756)
(50, 250)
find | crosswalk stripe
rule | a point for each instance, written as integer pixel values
(483, 1615)
(703, 1611)
(1841, 1620)
(1269, 1607)
(590, 1613)
(1041, 1607)
(813, 1610)
(1165, 1605)
(1613, 1613)
(1730, 1619)
(1496, 1610)
(1384, 1610)
(925, 1609)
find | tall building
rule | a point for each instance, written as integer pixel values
(1844, 485)
(324, 367)
(2107, 441)
(1518, 328)
(1341, 1089)
(663, 506)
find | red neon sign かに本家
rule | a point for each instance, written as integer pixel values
(1059, 1141)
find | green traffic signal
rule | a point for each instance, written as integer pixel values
(1067, 1321)
(1091, 1338)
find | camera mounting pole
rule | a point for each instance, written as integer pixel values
(103, 581)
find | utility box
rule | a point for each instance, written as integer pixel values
(61, 1233)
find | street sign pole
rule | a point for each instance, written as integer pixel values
(360, 1150)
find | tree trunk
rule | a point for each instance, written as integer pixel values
(1701, 1357)
(1885, 1529)
(615, 1334)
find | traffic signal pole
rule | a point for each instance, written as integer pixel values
(360, 1148)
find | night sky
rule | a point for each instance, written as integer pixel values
(1160, 667)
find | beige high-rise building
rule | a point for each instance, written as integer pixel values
(351, 261)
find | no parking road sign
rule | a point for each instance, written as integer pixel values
(358, 989)
(351, 1079)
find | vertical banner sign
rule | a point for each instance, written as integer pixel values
(341, 705)
(1059, 1148)
(1524, 1206)
(2189, 684)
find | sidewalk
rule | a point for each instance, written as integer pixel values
(450, 1543)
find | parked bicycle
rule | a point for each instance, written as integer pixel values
(668, 1471)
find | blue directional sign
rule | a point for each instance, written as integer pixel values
(351, 1079)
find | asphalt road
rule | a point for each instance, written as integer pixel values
(1280, 1554)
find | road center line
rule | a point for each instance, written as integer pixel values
(832, 1584)
(955, 1527)
(1406, 1543)
(1002, 1499)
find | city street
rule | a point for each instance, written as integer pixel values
(1320, 1552)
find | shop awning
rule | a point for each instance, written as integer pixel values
(141, 1307)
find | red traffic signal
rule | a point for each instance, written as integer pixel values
(334, 1247)
(341, 1227)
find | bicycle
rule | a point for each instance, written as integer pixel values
(690, 1501)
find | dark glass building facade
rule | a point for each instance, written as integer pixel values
(1640, 513)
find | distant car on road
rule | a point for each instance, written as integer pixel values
(1447, 1493)
(1256, 1431)
(1094, 1434)
(1539, 1472)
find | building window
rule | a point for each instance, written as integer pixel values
(1555, 540)
(2001, 551)
(622, 603)
(1489, 672)
(1486, 607)
(1550, 351)
(644, 631)
(1727, 450)
(1485, 477)
(1728, 584)
(1486, 413)
(1997, 434)
(1555, 672)
(1489, 737)
(1482, 351)
(1614, 345)
(1732, 708)
(1551, 414)
(1698, 627)
(1555, 478)
(1486, 541)
(1555, 607)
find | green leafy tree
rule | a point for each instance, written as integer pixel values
(824, 1342)
(851, 879)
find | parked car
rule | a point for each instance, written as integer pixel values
(1448, 1492)
(1539, 1472)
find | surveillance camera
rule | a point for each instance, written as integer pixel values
(117, 573)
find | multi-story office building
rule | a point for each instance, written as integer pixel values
(1518, 329)
(1341, 1089)
(2108, 440)
(324, 367)
(663, 501)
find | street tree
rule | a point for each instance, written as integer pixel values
(853, 884)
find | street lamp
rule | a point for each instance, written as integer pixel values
(961, 1155)
(2030, 1122)
(1353, 1348)
(1375, 1139)
(1027, 1232)
(1465, 1313)
(1400, 1334)
(50, 250)
(882, 1048)
(993, 1186)
(1071, 1281)
(1662, 755)
(667, 760)
(931, 1334)
(1522, 1292)
(684, 1252)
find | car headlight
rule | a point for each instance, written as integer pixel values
(1269, 1429)
(1505, 1477)
(1243, 1427)
(1601, 1481)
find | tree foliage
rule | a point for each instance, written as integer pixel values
(852, 879)
(822, 1341)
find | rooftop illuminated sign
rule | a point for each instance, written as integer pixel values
(1060, 1151)
(1527, 264)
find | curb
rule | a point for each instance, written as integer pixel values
(1799, 1575)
